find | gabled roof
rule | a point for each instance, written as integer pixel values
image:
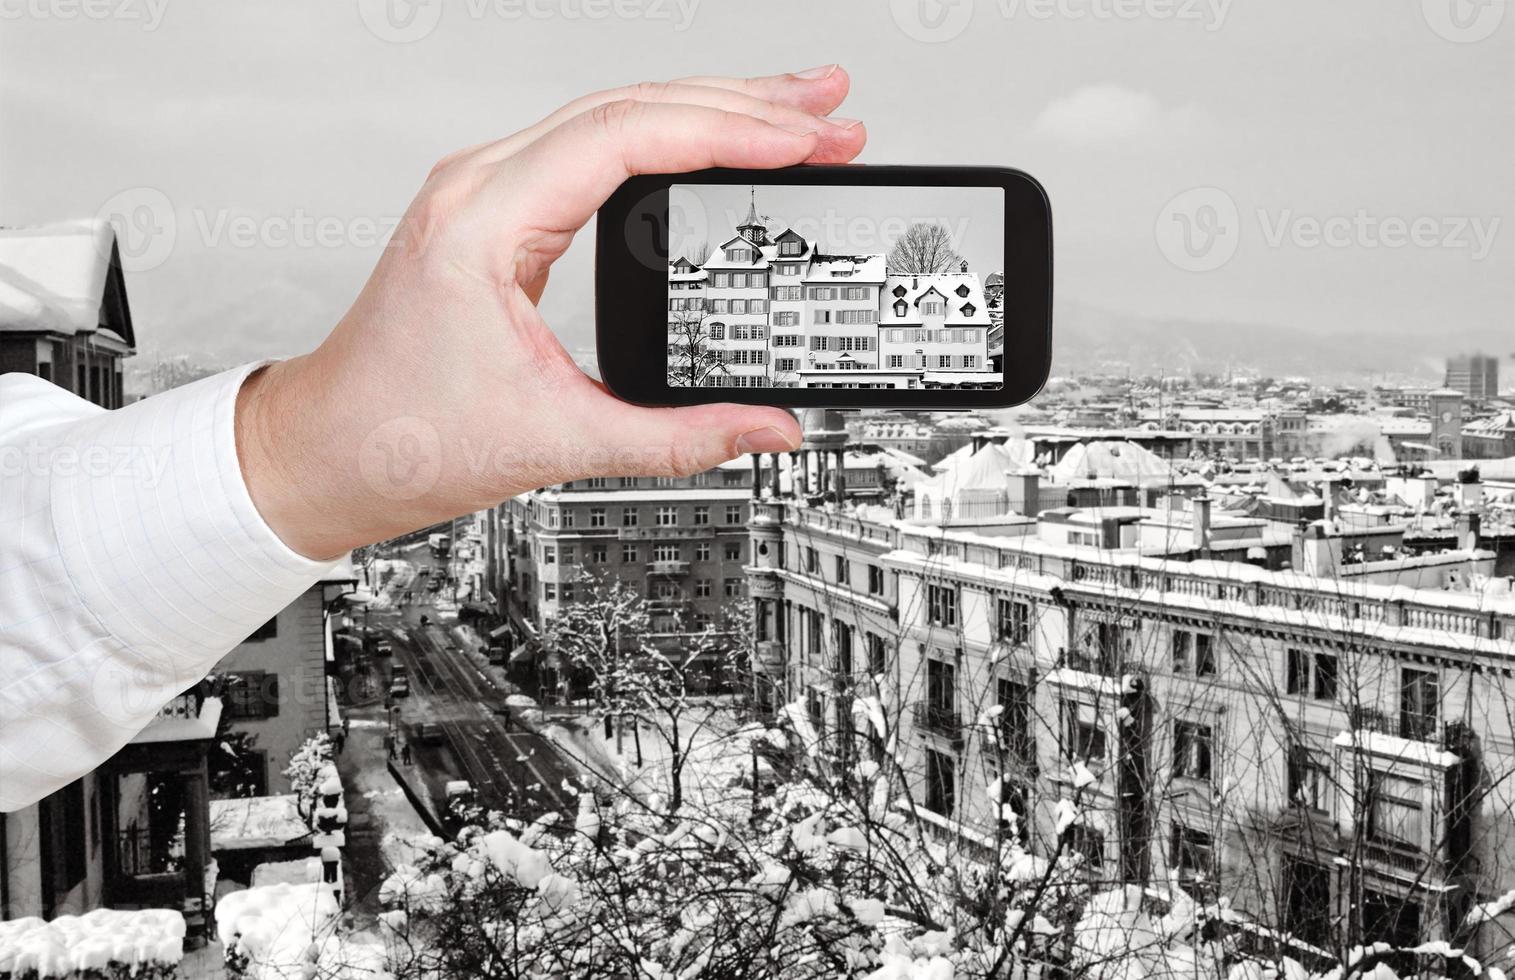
(845, 269)
(63, 278)
(944, 284)
(719, 260)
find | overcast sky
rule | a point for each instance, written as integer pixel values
(843, 219)
(1326, 136)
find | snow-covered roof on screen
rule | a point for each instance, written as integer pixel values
(55, 278)
(984, 469)
(963, 292)
(826, 268)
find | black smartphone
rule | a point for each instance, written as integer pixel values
(826, 286)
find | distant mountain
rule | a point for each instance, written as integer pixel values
(1090, 340)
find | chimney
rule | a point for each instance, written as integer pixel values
(1023, 492)
(1328, 497)
(1315, 556)
(1466, 529)
(1200, 522)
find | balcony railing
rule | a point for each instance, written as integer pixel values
(938, 719)
(1417, 726)
(668, 567)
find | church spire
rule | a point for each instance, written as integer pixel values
(752, 228)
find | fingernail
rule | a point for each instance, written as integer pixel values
(799, 130)
(814, 74)
(764, 440)
(841, 123)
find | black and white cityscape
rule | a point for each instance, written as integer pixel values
(1199, 665)
(870, 299)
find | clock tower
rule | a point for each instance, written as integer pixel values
(1446, 422)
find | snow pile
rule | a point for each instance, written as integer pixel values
(94, 943)
(272, 932)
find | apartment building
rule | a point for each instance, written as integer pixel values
(276, 685)
(1328, 754)
(680, 541)
(1475, 375)
(779, 311)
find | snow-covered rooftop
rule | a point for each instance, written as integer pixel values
(53, 277)
(255, 822)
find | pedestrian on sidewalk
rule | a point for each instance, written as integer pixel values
(405, 754)
(389, 746)
(339, 739)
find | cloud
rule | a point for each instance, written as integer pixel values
(1103, 114)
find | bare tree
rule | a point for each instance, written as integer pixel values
(924, 248)
(692, 362)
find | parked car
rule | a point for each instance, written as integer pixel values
(399, 682)
(430, 733)
(497, 655)
(384, 649)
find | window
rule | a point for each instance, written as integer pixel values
(1014, 620)
(941, 692)
(732, 551)
(1325, 677)
(875, 580)
(733, 513)
(549, 592)
(596, 517)
(667, 516)
(1418, 704)
(733, 588)
(944, 360)
(702, 514)
(1191, 750)
(969, 361)
(1204, 655)
(812, 560)
(1308, 779)
(1313, 676)
(627, 482)
(599, 554)
(842, 635)
(665, 552)
(722, 280)
(1193, 854)
(786, 364)
(941, 788)
(843, 570)
(1083, 738)
(1014, 700)
(702, 588)
(549, 555)
(567, 518)
(1394, 805)
(942, 605)
(933, 307)
(595, 483)
(702, 551)
(896, 360)
(629, 554)
(251, 694)
(628, 517)
(876, 653)
(267, 631)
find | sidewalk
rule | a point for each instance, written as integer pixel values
(380, 821)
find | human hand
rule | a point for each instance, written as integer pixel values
(442, 391)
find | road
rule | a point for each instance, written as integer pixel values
(511, 770)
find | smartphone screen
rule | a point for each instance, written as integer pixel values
(796, 286)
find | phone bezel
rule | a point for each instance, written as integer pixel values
(633, 363)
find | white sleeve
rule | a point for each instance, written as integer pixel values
(131, 559)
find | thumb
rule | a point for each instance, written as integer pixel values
(636, 441)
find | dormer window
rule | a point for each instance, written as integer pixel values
(968, 309)
(899, 290)
(789, 247)
(962, 291)
(900, 308)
